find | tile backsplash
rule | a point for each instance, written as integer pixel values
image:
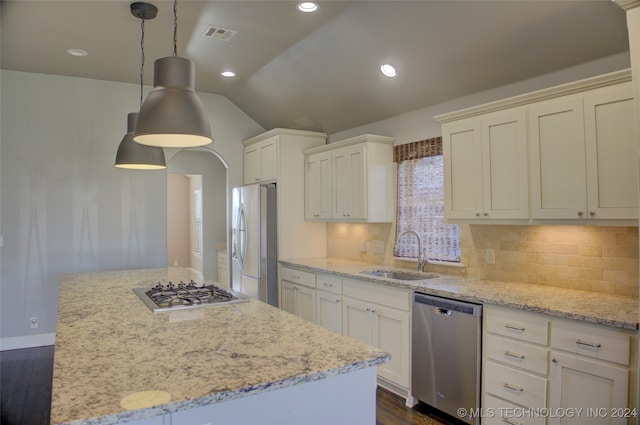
(591, 258)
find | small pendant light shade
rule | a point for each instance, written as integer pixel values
(172, 115)
(136, 156)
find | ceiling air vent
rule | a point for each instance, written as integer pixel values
(218, 33)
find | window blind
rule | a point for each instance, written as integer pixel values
(420, 205)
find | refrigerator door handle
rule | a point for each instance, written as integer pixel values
(242, 237)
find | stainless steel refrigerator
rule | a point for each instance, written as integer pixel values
(254, 242)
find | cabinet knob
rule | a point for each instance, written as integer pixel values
(477, 214)
(486, 214)
(580, 213)
(554, 360)
(592, 213)
(338, 300)
(257, 179)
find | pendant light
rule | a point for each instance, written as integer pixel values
(130, 154)
(172, 115)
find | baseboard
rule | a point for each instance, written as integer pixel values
(29, 341)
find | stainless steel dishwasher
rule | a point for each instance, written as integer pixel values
(445, 354)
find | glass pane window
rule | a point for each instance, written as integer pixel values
(421, 209)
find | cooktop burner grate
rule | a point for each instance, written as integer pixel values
(180, 296)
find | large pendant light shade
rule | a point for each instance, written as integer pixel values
(172, 115)
(130, 154)
(135, 156)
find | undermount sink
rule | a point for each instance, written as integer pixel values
(399, 275)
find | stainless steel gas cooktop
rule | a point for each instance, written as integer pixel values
(182, 296)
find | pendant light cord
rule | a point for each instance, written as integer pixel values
(175, 27)
(141, 59)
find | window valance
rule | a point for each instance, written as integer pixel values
(417, 150)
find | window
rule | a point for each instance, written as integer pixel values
(421, 203)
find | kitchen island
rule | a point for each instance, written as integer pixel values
(118, 362)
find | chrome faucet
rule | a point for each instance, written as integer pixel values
(422, 258)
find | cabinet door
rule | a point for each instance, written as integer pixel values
(611, 153)
(269, 159)
(288, 297)
(462, 151)
(349, 183)
(318, 186)
(598, 388)
(261, 161)
(251, 164)
(306, 303)
(504, 165)
(329, 310)
(357, 320)
(557, 160)
(391, 334)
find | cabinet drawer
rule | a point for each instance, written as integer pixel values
(379, 294)
(516, 353)
(329, 283)
(515, 386)
(591, 341)
(298, 276)
(500, 412)
(522, 325)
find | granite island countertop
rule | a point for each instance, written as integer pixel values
(116, 361)
(609, 310)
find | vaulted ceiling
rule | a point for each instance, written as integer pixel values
(319, 71)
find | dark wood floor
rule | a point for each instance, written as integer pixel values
(25, 393)
(25, 386)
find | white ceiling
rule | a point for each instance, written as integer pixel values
(320, 71)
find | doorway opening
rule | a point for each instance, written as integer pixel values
(197, 210)
(184, 213)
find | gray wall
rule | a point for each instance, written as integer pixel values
(420, 125)
(64, 207)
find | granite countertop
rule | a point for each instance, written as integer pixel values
(116, 361)
(609, 310)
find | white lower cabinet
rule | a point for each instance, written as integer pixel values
(329, 302)
(298, 293)
(501, 412)
(380, 316)
(589, 370)
(329, 310)
(539, 370)
(299, 300)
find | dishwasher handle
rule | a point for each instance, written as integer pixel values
(445, 304)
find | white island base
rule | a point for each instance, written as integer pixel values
(347, 399)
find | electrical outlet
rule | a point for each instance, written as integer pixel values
(33, 322)
(490, 256)
(363, 246)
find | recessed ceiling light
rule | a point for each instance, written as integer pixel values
(307, 6)
(388, 70)
(228, 74)
(77, 52)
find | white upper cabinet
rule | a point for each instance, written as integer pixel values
(318, 190)
(566, 154)
(350, 181)
(277, 156)
(485, 167)
(583, 156)
(558, 179)
(261, 161)
(610, 141)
